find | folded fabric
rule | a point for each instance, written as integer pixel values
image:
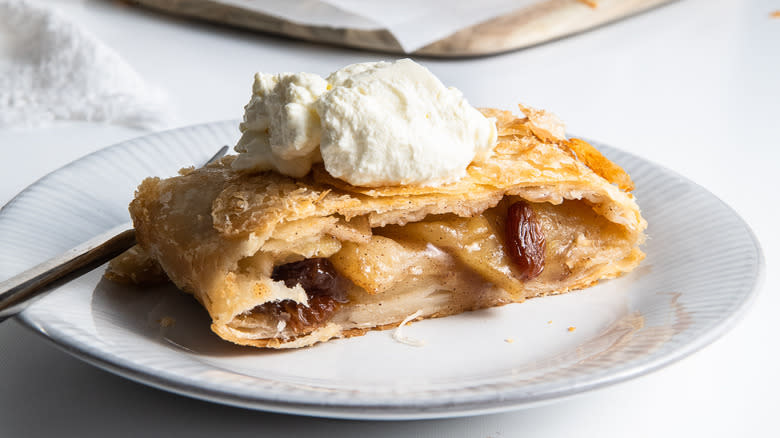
(53, 69)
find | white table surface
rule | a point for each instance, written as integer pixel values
(694, 86)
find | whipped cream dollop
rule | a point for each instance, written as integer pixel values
(371, 124)
(281, 128)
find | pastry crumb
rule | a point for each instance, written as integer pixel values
(593, 4)
(572, 328)
(399, 337)
(322, 196)
(509, 340)
(775, 14)
(167, 321)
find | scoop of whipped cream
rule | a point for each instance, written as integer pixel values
(371, 124)
(281, 128)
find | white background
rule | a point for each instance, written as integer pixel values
(694, 86)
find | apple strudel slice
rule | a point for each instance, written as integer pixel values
(281, 262)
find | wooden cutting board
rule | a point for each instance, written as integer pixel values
(545, 21)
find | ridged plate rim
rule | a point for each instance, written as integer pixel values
(204, 139)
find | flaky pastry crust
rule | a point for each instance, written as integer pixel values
(218, 233)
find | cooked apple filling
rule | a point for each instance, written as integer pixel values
(466, 262)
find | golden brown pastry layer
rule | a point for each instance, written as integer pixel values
(220, 235)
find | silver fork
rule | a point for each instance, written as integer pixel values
(17, 292)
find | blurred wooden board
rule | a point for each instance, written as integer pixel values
(545, 21)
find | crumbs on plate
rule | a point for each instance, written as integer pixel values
(593, 4)
(167, 321)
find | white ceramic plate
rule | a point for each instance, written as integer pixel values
(702, 268)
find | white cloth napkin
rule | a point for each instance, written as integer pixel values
(414, 23)
(52, 69)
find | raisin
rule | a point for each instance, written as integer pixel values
(316, 276)
(525, 241)
(325, 289)
(302, 318)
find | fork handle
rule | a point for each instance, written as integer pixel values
(17, 292)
